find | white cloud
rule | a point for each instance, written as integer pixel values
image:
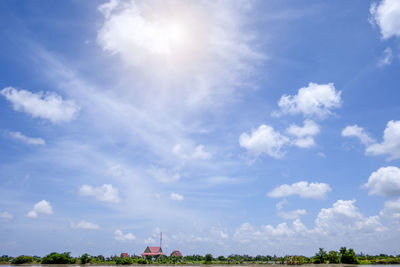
(391, 210)
(264, 140)
(310, 128)
(163, 175)
(48, 105)
(385, 182)
(303, 189)
(5, 216)
(219, 232)
(387, 57)
(105, 193)
(304, 142)
(27, 140)
(42, 207)
(289, 215)
(344, 217)
(85, 225)
(342, 220)
(247, 233)
(356, 131)
(201, 153)
(200, 48)
(305, 134)
(119, 236)
(316, 100)
(386, 15)
(390, 144)
(189, 152)
(176, 196)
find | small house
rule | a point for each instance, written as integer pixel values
(176, 253)
(153, 252)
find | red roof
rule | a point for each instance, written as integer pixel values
(176, 253)
(153, 251)
(123, 255)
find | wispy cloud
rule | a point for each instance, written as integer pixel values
(48, 105)
(27, 140)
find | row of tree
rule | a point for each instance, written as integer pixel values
(343, 255)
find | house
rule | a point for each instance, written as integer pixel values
(176, 253)
(153, 252)
(124, 255)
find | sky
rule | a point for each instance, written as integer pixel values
(249, 127)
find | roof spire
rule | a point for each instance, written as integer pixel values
(160, 239)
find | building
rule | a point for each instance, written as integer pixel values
(124, 255)
(153, 252)
(176, 253)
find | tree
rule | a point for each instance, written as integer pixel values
(208, 258)
(22, 259)
(333, 257)
(85, 258)
(221, 258)
(56, 258)
(320, 256)
(348, 256)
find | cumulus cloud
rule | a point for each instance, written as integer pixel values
(390, 144)
(163, 175)
(305, 134)
(356, 131)
(302, 189)
(385, 182)
(315, 100)
(119, 236)
(47, 105)
(27, 140)
(264, 140)
(176, 196)
(387, 57)
(5, 216)
(42, 207)
(84, 225)
(344, 217)
(248, 233)
(309, 128)
(289, 215)
(342, 220)
(386, 15)
(391, 211)
(106, 192)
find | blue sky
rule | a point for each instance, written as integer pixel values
(258, 127)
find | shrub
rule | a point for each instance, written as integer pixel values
(22, 259)
(56, 258)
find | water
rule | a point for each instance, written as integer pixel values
(148, 265)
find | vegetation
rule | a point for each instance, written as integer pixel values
(344, 256)
(56, 258)
(22, 259)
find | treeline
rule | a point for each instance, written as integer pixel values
(343, 255)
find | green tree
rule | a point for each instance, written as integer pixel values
(221, 258)
(321, 256)
(348, 256)
(333, 257)
(22, 259)
(85, 258)
(58, 258)
(208, 258)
